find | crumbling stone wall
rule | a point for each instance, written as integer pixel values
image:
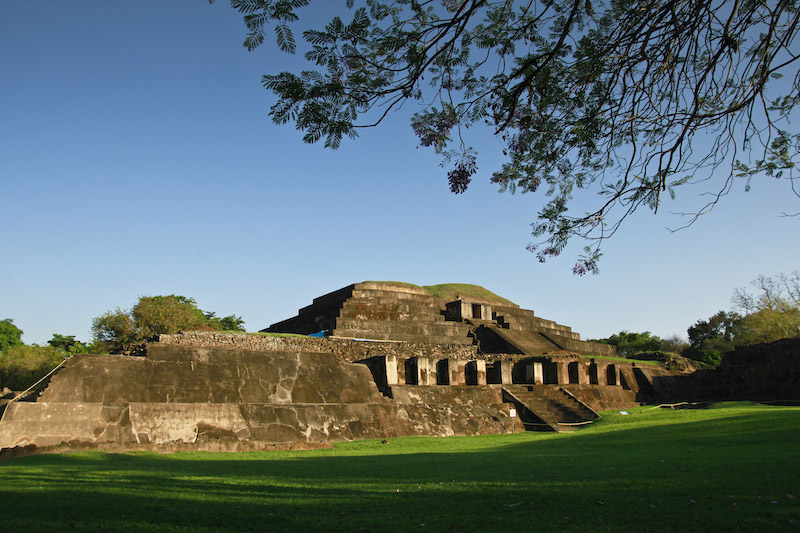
(398, 312)
(344, 350)
(219, 390)
(768, 371)
(199, 394)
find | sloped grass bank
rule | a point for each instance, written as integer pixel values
(731, 467)
(453, 291)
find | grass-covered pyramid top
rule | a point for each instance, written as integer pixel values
(452, 291)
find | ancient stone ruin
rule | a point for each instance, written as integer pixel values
(392, 359)
(767, 372)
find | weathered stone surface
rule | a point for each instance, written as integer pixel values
(603, 397)
(346, 350)
(48, 424)
(448, 420)
(162, 423)
(432, 374)
(386, 311)
(172, 374)
(179, 394)
(762, 372)
(452, 395)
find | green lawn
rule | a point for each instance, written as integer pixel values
(732, 467)
(453, 291)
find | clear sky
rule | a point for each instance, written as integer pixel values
(137, 158)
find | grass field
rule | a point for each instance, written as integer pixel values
(734, 467)
(452, 291)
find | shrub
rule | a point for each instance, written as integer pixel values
(629, 343)
(22, 366)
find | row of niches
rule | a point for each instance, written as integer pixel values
(391, 370)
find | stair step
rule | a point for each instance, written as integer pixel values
(552, 406)
(403, 337)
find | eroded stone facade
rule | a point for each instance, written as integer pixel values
(395, 361)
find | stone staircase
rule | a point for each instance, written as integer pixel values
(386, 311)
(548, 408)
(528, 343)
(543, 334)
(524, 320)
(381, 312)
(403, 330)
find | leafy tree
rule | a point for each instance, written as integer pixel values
(226, 323)
(114, 330)
(21, 366)
(615, 97)
(231, 323)
(10, 335)
(629, 343)
(772, 312)
(710, 339)
(674, 344)
(159, 315)
(767, 325)
(68, 344)
(778, 293)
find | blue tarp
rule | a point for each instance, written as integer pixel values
(319, 334)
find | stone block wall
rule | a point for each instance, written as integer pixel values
(762, 372)
(343, 349)
(228, 398)
(396, 312)
(603, 398)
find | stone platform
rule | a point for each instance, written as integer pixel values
(402, 312)
(186, 394)
(395, 360)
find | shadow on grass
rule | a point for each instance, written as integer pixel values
(676, 471)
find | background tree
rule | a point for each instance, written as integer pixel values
(769, 314)
(10, 335)
(231, 323)
(777, 293)
(226, 323)
(674, 344)
(630, 99)
(67, 344)
(772, 312)
(710, 339)
(114, 330)
(21, 366)
(160, 315)
(767, 325)
(629, 343)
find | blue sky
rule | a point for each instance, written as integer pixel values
(137, 158)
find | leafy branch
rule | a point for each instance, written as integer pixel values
(630, 98)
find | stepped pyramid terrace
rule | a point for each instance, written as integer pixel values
(370, 360)
(392, 311)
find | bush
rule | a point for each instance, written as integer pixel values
(159, 315)
(22, 366)
(114, 330)
(629, 343)
(121, 331)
